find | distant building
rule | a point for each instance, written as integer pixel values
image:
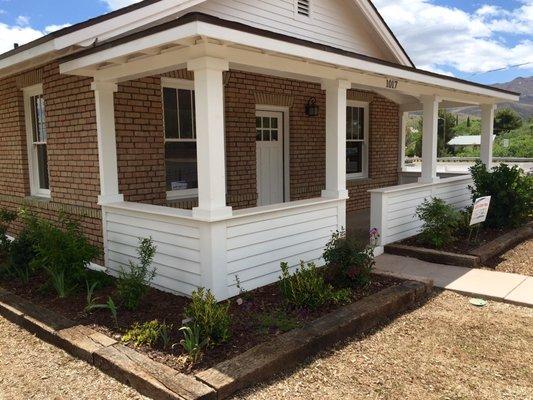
(466, 141)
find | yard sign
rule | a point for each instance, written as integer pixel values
(481, 208)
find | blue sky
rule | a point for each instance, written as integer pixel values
(462, 38)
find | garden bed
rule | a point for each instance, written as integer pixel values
(248, 328)
(465, 251)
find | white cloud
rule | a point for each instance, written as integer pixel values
(23, 20)
(53, 28)
(440, 37)
(16, 34)
(116, 4)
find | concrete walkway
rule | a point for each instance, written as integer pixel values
(511, 288)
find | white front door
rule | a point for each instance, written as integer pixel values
(270, 161)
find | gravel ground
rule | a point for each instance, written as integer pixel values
(447, 349)
(518, 260)
(33, 369)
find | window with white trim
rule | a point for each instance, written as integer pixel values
(35, 117)
(180, 138)
(357, 140)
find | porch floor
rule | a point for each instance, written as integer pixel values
(358, 224)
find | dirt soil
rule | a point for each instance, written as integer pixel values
(33, 369)
(517, 261)
(157, 305)
(463, 244)
(447, 349)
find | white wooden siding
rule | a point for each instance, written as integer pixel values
(336, 23)
(256, 245)
(177, 259)
(393, 209)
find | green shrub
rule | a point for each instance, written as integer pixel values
(148, 334)
(352, 261)
(511, 190)
(6, 218)
(132, 284)
(307, 288)
(440, 222)
(63, 252)
(211, 318)
(191, 342)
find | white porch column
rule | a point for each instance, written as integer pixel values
(107, 145)
(487, 130)
(209, 94)
(429, 139)
(335, 138)
(404, 117)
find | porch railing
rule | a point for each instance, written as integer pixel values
(393, 209)
(249, 244)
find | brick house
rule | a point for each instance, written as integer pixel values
(235, 134)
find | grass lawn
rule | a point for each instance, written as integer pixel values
(518, 260)
(447, 349)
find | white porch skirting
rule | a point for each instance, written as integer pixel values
(392, 209)
(250, 244)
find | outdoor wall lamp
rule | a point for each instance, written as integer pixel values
(311, 108)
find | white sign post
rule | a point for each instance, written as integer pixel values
(480, 211)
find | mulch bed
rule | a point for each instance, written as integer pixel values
(246, 329)
(461, 245)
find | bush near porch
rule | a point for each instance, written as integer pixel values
(445, 228)
(186, 334)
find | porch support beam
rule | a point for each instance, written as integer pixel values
(107, 145)
(335, 138)
(487, 131)
(209, 95)
(429, 138)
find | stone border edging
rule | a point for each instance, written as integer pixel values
(287, 350)
(159, 381)
(472, 260)
(433, 256)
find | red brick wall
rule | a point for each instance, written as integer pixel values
(72, 148)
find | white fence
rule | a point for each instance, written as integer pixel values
(392, 209)
(250, 244)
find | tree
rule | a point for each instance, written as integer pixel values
(506, 120)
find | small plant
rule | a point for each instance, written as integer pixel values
(91, 301)
(113, 310)
(6, 218)
(191, 342)
(440, 222)
(277, 320)
(511, 192)
(133, 284)
(211, 318)
(148, 334)
(110, 305)
(21, 250)
(244, 295)
(306, 288)
(350, 259)
(63, 252)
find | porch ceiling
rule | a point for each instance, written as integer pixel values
(171, 45)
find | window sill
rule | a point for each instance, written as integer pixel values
(39, 198)
(182, 195)
(358, 179)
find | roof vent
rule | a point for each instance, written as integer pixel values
(303, 7)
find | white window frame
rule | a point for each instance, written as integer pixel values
(304, 18)
(177, 84)
(33, 164)
(365, 106)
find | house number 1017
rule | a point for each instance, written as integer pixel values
(392, 84)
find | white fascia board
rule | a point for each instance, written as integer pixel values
(124, 23)
(296, 50)
(27, 55)
(157, 39)
(376, 22)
